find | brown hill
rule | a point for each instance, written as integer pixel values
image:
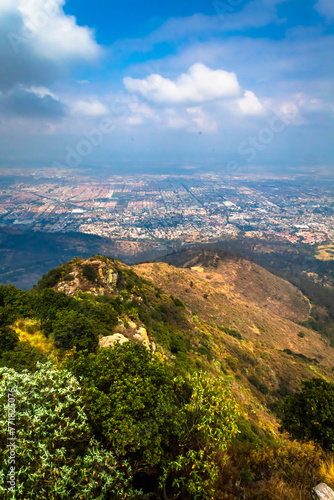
(240, 299)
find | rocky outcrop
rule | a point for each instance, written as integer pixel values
(97, 276)
(130, 331)
(112, 339)
(322, 492)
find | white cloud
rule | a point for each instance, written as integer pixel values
(90, 108)
(326, 9)
(202, 121)
(250, 104)
(199, 84)
(42, 92)
(53, 34)
(142, 109)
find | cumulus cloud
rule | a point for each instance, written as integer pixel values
(38, 44)
(37, 41)
(250, 104)
(326, 9)
(53, 34)
(199, 84)
(202, 99)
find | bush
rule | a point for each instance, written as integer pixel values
(8, 339)
(258, 384)
(57, 454)
(129, 394)
(23, 357)
(50, 279)
(172, 428)
(309, 414)
(90, 273)
(74, 329)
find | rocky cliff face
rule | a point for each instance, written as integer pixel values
(97, 276)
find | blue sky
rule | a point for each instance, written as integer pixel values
(226, 85)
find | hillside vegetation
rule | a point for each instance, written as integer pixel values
(178, 376)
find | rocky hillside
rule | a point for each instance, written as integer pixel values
(239, 295)
(226, 317)
(229, 311)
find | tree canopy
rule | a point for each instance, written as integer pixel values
(309, 414)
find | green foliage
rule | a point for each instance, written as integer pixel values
(258, 384)
(251, 433)
(23, 357)
(178, 302)
(90, 273)
(129, 395)
(72, 329)
(47, 304)
(231, 332)
(54, 276)
(8, 339)
(309, 414)
(247, 476)
(168, 426)
(14, 303)
(56, 454)
(301, 356)
(206, 425)
(232, 362)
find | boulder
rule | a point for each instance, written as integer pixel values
(112, 339)
(322, 492)
(141, 336)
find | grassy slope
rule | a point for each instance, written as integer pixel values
(263, 308)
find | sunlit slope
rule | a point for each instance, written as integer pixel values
(242, 296)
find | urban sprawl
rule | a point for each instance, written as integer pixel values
(160, 208)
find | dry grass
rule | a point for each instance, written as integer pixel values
(229, 305)
(327, 471)
(29, 331)
(288, 471)
(325, 252)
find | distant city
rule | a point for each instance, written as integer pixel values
(162, 208)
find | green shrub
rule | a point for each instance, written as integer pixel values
(178, 302)
(8, 339)
(90, 273)
(258, 384)
(23, 357)
(309, 414)
(71, 328)
(57, 455)
(232, 362)
(173, 428)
